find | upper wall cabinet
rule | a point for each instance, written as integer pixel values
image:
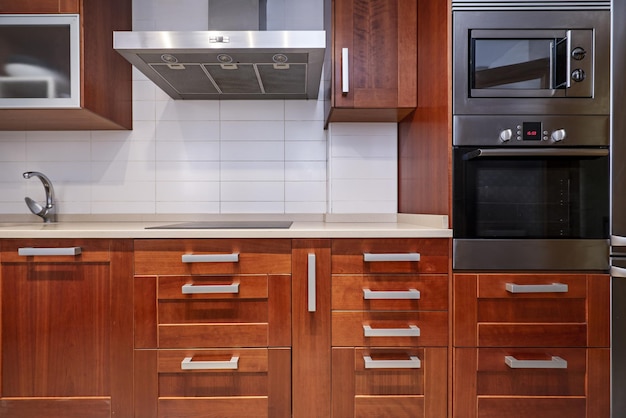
(374, 60)
(56, 75)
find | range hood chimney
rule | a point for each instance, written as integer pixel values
(235, 59)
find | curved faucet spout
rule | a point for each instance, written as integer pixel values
(47, 212)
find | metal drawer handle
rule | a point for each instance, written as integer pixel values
(210, 258)
(412, 331)
(191, 289)
(391, 257)
(412, 363)
(311, 282)
(554, 363)
(536, 288)
(345, 71)
(188, 364)
(30, 251)
(391, 294)
(618, 272)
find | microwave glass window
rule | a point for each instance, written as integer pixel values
(512, 64)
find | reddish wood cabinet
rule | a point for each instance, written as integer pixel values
(66, 328)
(374, 55)
(531, 345)
(389, 327)
(105, 77)
(213, 328)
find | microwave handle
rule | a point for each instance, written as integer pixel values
(536, 152)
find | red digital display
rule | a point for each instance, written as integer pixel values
(532, 131)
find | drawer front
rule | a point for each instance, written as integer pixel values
(213, 335)
(212, 256)
(538, 310)
(531, 372)
(239, 407)
(393, 255)
(389, 382)
(55, 250)
(389, 329)
(213, 287)
(532, 407)
(390, 292)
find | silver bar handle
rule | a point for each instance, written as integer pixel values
(189, 364)
(30, 251)
(554, 363)
(191, 289)
(618, 272)
(536, 152)
(371, 257)
(411, 331)
(210, 258)
(391, 294)
(311, 282)
(618, 240)
(345, 71)
(412, 363)
(536, 288)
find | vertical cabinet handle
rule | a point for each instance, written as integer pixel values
(191, 289)
(412, 363)
(210, 258)
(311, 282)
(30, 251)
(370, 257)
(411, 331)
(189, 364)
(345, 71)
(391, 294)
(554, 363)
(536, 288)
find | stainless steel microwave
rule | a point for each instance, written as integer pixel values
(40, 61)
(531, 62)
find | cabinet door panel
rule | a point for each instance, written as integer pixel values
(55, 408)
(55, 329)
(531, 407)
(39, 6)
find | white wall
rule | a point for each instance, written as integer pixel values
(270, 156)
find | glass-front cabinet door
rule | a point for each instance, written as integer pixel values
(39, 61)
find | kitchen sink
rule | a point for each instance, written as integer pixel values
(226, 225)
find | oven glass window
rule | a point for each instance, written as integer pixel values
(518, 64)
(531, 197)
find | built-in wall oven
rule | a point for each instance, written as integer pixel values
(531, 135)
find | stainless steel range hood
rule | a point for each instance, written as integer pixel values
(228, 64)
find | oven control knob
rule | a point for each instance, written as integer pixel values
(578, 53)
(506, 135)
(558, 135)
(578, 75)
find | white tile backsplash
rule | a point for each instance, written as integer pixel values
(196, 156)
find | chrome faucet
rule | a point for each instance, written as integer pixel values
(47, 213)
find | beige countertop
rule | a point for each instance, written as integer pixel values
(303, 226)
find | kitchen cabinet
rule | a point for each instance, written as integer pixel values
(390, 327)
(66, 328)
(374, 60)
(105, 77)
(531, 344)
(213, 328)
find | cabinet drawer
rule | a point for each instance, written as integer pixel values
(55, 251)
(213, 287)
(390, 292)
(532, 407)
(230, 407)
(212, 256)
(389, 382)
(213, 335)
(388, 329)
(391, 255)
(538, 310)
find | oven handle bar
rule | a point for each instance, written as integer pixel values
(536, 152)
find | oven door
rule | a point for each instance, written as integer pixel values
(531, 208)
